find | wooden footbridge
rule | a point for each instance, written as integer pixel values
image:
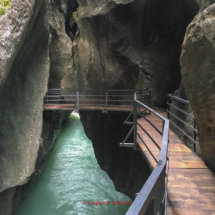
(180, 183)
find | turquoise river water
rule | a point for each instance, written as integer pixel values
(72, 176)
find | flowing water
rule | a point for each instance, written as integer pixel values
(72, 176)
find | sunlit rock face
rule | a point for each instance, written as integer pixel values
(129, 44)
(197, 64)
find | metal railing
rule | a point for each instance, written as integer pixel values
(155, 188)
(173, 116)
(96, 98)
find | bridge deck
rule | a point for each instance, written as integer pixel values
(191, 185)
(88, 108)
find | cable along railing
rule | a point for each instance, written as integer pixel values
(155, 188)
(106, 99)
(178, 117)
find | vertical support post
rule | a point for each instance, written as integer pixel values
(150, 98)
(159, 194)
(47, 96)
(138, 95)
(168, 101)
(106, 102)
(163, 126)
(194, 134)
(77, 105)
(135, 122)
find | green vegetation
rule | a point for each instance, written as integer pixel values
(3, 5)
(75, 16)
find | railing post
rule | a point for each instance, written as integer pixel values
(135, 122)
(194, 135)
(77, 105)
(168, 107)
(106, 102)
(159, 195)
(163, 126)
(150, 99)
(47, 96)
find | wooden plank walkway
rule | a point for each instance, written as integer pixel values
(88, 108)
(191, 185)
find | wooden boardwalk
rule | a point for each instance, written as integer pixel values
(191, 184)
(88, 108)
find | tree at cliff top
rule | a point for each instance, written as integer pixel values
(3, 5)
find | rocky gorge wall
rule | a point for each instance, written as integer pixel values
(32, 34)
(129, 44)
(84, 44)
(198, 73)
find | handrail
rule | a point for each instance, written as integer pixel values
(124, 90)
(182, 121)
(156, 185)
(178, 99)
(107, 98)
(176, 108)
(193, 128)
(157, 178)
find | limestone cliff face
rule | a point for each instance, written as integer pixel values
(129, 44)
(34, 53)
(197, 64)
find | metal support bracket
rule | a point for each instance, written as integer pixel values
(126, 145)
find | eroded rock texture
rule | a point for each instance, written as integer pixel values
(34, 52)
(129, 44)
(198, 63)
(22, 91)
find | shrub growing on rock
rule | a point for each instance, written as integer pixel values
(3, 5)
